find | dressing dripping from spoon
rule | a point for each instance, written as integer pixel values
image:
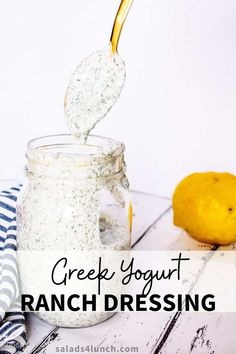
(96, 83)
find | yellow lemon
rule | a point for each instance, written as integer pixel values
(204, 204)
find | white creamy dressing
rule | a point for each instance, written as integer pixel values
(94, 88)
(62, 208)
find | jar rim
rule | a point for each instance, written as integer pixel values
(97, 148)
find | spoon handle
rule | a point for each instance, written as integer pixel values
(121, 15)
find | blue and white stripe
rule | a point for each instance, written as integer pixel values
(12, 321)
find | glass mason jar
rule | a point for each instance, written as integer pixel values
(76, 199)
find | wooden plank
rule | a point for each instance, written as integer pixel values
(36, 331)
(147, 210)
(202, 333)
(197, 332)
(163, 235)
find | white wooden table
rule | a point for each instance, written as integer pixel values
(182, 333)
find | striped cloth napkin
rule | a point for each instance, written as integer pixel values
(12, 321)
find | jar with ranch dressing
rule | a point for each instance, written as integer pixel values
(76, 199)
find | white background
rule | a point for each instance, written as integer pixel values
(177, 112)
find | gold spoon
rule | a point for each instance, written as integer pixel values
(121, 15)
(96, 83)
